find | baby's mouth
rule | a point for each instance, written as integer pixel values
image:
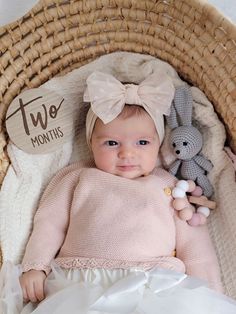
(127, 167)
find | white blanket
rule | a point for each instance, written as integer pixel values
(28, 174)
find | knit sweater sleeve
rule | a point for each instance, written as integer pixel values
(195, 249)
(51, 220)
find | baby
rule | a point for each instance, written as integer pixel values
(105, 237)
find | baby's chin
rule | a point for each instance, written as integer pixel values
(128, 172)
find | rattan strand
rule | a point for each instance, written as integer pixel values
(58, 36)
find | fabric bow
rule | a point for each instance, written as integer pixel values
(108, 96)
(124, 296)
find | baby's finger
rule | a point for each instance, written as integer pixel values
(24, 290)
(39, 290)
(31, 293)
(25, 295)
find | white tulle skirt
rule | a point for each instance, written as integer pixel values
(97, 291)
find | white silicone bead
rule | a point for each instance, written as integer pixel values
(177, 192)
(182, 184)
(204, 210)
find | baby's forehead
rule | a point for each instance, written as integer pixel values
(132, 110)
(132, 126)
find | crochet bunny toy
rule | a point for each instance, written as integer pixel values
(186, 141)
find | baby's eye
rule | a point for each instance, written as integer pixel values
(111, 143)
(185, 143)
(143, 142)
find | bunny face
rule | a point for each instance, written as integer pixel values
(186, 142)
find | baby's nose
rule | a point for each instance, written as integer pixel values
(126, 152)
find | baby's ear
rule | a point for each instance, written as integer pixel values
(172, 118)
(183, 103)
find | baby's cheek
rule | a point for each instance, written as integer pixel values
(150, 163)
(105, 162)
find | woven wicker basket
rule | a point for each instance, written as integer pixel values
(58, 36)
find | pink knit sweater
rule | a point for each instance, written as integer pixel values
(91, 219)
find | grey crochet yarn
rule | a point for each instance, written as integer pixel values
(186, 142)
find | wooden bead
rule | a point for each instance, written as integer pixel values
(186, 213)
(180, 203)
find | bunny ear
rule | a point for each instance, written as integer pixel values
(183, 103)
(172, 118)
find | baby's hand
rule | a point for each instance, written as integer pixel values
(32, 284)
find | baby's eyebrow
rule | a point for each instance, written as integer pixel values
(100, 137)
(146, 137)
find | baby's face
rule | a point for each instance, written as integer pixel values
(126, 147)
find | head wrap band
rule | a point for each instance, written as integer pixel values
(108, 96)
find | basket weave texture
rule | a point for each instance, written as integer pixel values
(57, 36)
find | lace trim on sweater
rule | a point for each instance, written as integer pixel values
(36, 266)
(93, 263)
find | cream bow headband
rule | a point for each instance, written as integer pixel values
(108, 96)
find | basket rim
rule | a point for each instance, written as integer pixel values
(211, 12)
